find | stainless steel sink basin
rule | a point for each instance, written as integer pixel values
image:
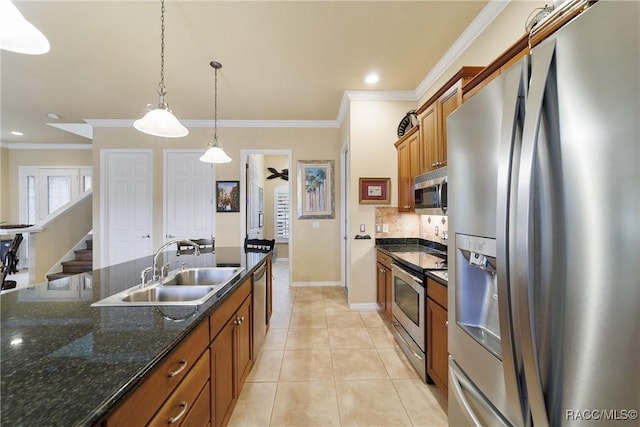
(171, 294)
(203, 276)
(192, 286)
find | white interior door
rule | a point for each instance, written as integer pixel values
(189, 205)
(127, 205)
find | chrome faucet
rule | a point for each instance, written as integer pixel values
(154, 268)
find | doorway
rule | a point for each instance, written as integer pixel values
(126, 205)
(189, 197)
(258, 190)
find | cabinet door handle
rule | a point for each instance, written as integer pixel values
(183, 366)
(184, 407)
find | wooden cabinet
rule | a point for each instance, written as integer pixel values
(383, 268)
(432, 119)
(510, 56)
(185, 370)
(437, 341)
(183, 399)
(408, 148)
(231, 328)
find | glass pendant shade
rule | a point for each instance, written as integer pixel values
(161, 122)
(19, 35)
(215, 154)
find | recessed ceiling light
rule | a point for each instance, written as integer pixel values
(16, 133)
(53, 116)
(371, 78)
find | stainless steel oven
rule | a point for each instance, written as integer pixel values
(408, 308)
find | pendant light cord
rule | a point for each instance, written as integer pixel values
(215, 109)
(162, 89)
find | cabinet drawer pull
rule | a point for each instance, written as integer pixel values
(183, 366)
(184, 407)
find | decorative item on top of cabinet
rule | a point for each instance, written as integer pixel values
(432, 118)
(408, 159)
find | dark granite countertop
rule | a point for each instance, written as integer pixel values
(400, 248)
(64, 363)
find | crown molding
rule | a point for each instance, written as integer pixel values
(125, 123)
(44, 146)
(372, 95)
(477, 26)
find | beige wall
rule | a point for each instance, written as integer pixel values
(373, 132)
(9, 178)
(314, 252)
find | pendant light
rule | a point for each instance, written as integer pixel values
(19, 35)
(161, 121)
(215, 153)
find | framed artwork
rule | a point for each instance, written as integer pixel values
(375, 191)
(316, 189)
(227, 196)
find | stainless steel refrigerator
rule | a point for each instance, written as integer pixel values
(544, 218)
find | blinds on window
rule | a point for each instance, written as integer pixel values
(281, 214)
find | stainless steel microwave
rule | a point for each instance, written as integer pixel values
(430, 192)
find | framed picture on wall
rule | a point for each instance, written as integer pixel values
(316, 189)
(227, 196)
(374, 191)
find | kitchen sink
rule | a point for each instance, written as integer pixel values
(203, 276)
(169, 294)
(192, 286)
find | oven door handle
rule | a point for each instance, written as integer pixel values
(399, 335)
(403, 272)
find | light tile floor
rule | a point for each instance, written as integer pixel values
(325, 365)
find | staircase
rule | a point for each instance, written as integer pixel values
(83, 262)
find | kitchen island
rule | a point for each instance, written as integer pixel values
(64, 362)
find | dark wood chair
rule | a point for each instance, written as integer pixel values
(206, 246)
(259, 245)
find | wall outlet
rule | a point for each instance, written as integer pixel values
(385, 228)
(362, 228)
(378, 228)
(437, 230)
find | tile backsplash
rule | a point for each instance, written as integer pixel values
(401, 224)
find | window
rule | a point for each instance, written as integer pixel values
(281, 214)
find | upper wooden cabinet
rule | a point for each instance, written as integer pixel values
(409, 155)
(497, 66)
(432, 119)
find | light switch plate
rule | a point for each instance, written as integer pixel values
(315, 224)
(385, 228)
(362, 228)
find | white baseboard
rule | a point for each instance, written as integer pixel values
(302, 284)
(363, 306)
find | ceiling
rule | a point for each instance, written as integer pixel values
(282, 60)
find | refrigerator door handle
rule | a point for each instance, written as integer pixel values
(524, 251)
(509, 149)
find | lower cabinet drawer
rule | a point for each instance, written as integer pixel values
(143, 403)
(183, 399)
(200, 414)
